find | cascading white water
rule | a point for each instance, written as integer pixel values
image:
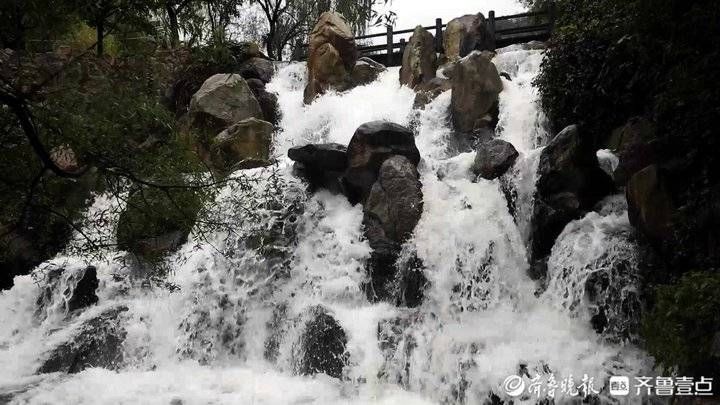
(228, 330)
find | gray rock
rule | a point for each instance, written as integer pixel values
(494, 158)
(257, 68)
(391, 212)
(98, 343)
(332, 56)
(322, 345)
(430, 90)
(570, 183)
(321, 164)
(650, 206)
(223, 100)
(419, 62)
(465, 34)
(268, 101)
(370, 146)
(244, 145)
(476, 85)
(366, 71)
(635, 146)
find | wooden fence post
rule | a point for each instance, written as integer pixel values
(491, 29)
(438, 35)
(389, 45)
(402, 48)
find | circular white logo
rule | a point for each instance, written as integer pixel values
(514, 385)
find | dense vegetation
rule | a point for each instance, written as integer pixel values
(612, 60)
(93, 96)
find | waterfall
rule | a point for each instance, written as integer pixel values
(224, 326)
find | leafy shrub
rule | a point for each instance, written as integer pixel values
(681, 328)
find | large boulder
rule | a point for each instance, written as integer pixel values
(321, 164)
(223, 100)
(419, 61)
(570, 183)
(244, 145)
(494, 158)
(650, 206)
(391, 212)
(78, 290)
(372, 143)
(366, 71)
(332, 56)
(476, 85)
(97, 343)
(635, 146)
(257, 68)
(464, 35)
(430, 90)
(268, 101)
(322, 345)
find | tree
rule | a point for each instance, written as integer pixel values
(106, 15)
(288, 20)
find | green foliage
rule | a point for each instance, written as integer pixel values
(610, 60)
(681, 327)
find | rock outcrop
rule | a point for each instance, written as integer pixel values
(464, 35)
(430, 90)
(322, 345)
(223, 100)
(570, 183)
(321, 164)
(419, 61)
(332, 56)
(257, 68)
(366, 71)
(97, 343)
(635, 146)
(370, 146)
(391, 212)
(476, 85)
(79, 290)
(244, 145)
(494, 158)
(268, 101)
(650, 206)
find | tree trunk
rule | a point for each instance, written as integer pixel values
(174, 26)
(100, 27)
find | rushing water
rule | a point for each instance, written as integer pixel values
(224, 326)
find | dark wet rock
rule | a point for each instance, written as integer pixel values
(78, 291)
(84, 294)
(476, 86)
(257, 68)
(268, 101)
(322, 165)
(466, 34)
(366, 71)
(323, 345)
(570, 183)
(430, 90)
(635, 146)
(650, 206)
(370, 146)
(322, 157)
(97, 343)
(494, 158)
(419, 62)
(392, 211)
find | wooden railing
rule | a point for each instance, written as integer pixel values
(503, 30)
